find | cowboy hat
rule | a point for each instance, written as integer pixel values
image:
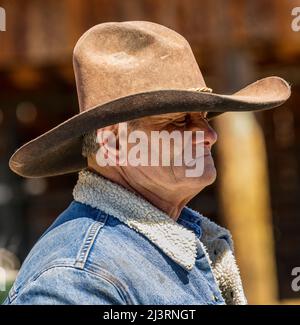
(129, 70)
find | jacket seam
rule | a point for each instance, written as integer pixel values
(89, 240)
(102, 276)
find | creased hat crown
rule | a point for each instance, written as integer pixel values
(113, 60)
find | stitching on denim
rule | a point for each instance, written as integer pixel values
(89, 240)
(12, 294)
(104, 275)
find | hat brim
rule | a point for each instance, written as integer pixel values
(58, 151)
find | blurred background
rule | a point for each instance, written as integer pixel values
(235, 43)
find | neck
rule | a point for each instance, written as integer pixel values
(168, 201)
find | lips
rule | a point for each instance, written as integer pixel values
(193, 161)
(207, 153)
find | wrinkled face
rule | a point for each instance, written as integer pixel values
(174, 176)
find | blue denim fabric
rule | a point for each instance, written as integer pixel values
(90, 257)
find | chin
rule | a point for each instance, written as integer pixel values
(209, 176)
(210, 172)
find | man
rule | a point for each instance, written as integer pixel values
(128, 237)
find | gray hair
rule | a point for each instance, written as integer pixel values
(90, 145)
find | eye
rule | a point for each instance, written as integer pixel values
(182, 121)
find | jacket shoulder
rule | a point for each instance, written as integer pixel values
(66, 243)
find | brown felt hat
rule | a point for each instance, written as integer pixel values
(128, 70)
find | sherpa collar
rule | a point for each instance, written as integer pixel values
(175, 240)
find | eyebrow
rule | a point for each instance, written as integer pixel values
(171, 116)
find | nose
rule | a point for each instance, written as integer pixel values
(210, 135)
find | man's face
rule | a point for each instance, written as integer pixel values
(174, 176)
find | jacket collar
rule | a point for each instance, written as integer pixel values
(173, 238)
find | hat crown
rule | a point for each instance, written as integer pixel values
(114, 60)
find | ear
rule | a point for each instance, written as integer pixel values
(108, 140)
(110, 129)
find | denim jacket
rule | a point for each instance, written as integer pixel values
(111, 246)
